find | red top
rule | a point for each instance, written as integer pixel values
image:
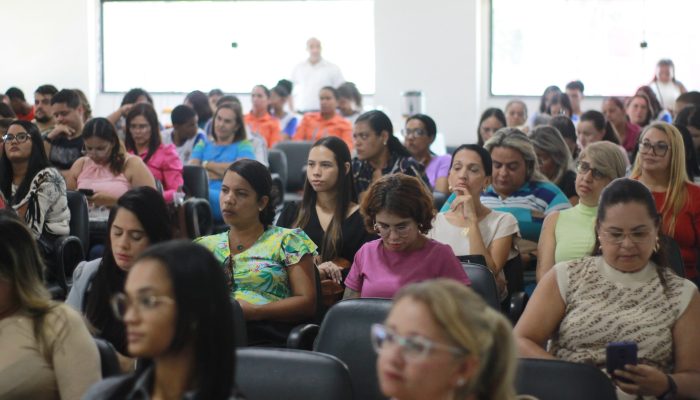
(26, 117)
(687, 233)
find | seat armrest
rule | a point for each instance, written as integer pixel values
(198, 217)
(69, 252)
(302, 337)
(518, 301)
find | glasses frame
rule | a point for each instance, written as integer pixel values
(604, 237)
(595, 172)
(403, 342)
(9, 137)
(118, 298)
(401, 232)
(416, 133)
(652, 148)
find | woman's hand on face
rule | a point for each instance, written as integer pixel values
(646, 380)
(331, 271)
(464, 202)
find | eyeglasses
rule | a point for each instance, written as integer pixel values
(19, 138)
(583, 168)
(658, 149)
(402, 230)
(418, 132)
(121, 303)
(617, 237)
(412, 348)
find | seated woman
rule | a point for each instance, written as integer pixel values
(270, 269)
(199, 102)
(638, 110)
(32, 187)
(142, 138)
(259, 120)
(516, 115)
(624, 293)
(229, 145)
(441, 341)
(592, 127)
(492, 119)
(327, 122)
(139, 220)
(105, 168)
(328, 212)
(419, 134)
(469, 227)
(279, 95)
(47, 351)
(349, 101)
(379, 152)
(179, 322)
(541, 116)
(131, 98)
(560, 104)
(570, 234)
(399, 209)
(626, 131)
(554, 159)
(660, 166)
(567, 129)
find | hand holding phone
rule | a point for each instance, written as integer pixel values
(87, 192)
(619, 354)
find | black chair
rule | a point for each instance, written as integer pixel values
(483, 282)
(345, 333)
(272, 374)
(673, 254)
(70, 249)
(196, 181)
(439, 199)
(555, 379)
(199, 219)
(278, 164)
(450, 149)
(297, 153)
(239, 326)
(108, 358)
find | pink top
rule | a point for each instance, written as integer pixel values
(166, 166)
(379, 272)
(101, 179)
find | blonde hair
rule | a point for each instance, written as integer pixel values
(515, 139)
(676, 192)
(471, 325)
(607, 157)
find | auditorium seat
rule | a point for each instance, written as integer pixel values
(556, 379)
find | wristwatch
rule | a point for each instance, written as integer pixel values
(672, 390)
(204, 164)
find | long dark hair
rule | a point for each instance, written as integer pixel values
(149, 208)
(543, 99)
(623, 191)
(37, 161)
(147, 111)
(600, 123)
(345, 194)
(204, 314)
(132, 96)
(103, 129)
(380, 122)
(488, 113)
(200, 104)
(258, 176)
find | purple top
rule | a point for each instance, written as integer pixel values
(438, 167)
(379, 272)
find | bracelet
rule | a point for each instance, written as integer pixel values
(204, 164)
(672, 390)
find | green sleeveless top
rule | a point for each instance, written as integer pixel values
(575, 233)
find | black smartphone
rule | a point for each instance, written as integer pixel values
(87, 192)
(619, 354)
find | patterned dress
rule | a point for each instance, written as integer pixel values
(362, 171)
(260, 272)
(47, 206)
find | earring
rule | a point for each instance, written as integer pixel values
(384, 143)
(461, 381)
(657, 246)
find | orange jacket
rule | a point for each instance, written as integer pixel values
(314, 127)
(266, 126)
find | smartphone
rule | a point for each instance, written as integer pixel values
(87, 192)
(617, 355)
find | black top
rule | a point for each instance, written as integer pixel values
(567, 184)
(65, 151)
(352, 228)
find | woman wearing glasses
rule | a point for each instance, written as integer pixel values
(142, 138)
(399, 208)
(441, 341)
(570, 234)
(46, 351)
(106, 168)
(269, 269)
(623, 293)
(32, 187)
(139, 219)
(179, 323)
(660, 165)
(419, 134)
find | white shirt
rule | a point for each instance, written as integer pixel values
(309, 79)
(184, 151)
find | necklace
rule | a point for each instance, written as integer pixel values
(240, 247)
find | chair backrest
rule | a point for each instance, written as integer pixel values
(79, 219)
(297, 153)
(514, 271)
(439, 199)
(483, 282)
(450, 149)
(345, 333)
(239, 326)
(278, 164)
(272, 374)
(108, 358)
(196, 181)
(556, 379)
(673, 254)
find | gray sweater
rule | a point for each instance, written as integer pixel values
(82, 278)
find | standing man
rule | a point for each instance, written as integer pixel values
(43, 117)
(311, 75)
(23, 110)
(574, 90)
(64, 143)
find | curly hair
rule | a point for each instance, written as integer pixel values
(399, 194)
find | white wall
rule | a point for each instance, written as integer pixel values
(439, 47)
